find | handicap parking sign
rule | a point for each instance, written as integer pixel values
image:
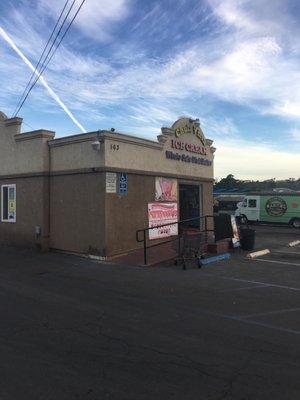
(122, 183)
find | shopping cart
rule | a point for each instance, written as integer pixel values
(192, 245)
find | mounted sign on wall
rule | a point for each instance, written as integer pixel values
(111, 182)
(122, 183)
(160, 214)
(191, 128)
(165, 189)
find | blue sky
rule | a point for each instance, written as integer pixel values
(138, 65)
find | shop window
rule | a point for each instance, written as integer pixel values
(252, 203)
(8, 203)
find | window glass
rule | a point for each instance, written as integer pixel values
(5, 203)
(227, 205)
(8, 203)
(252, 203)
(245, 203)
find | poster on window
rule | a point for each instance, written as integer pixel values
(160, 214)
(236, 236)
(165, 189)
(11, 203)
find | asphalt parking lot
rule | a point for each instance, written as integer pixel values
(75, 329)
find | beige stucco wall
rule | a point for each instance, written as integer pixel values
(83, 217)
(128, 153)
(143, 155)
(149, 157)
(76, 152)
(22, 153)
(77, 213)
(29, 152)
(32, 210)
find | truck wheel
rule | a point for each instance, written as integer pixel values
(296, 223)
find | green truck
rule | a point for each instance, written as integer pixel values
(271, 207)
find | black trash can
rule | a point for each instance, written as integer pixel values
(247, 238)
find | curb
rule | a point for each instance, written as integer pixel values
(294, 243)
(258, 253)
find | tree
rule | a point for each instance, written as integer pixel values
(228, 183)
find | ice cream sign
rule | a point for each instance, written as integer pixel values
(193, 150)
(190, 147)
(184, 141)
(191, 128)
(179, 144)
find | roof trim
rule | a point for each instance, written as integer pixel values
(38, 134)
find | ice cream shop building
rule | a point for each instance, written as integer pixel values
(89, 193)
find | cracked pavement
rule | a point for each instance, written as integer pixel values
(75, 329)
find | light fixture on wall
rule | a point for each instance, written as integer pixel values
(96, 143)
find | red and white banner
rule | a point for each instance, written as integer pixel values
(160, 214)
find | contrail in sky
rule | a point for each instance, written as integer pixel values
(41, 79)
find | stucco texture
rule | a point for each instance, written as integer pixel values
(77, 213)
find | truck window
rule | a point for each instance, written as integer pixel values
(252, 203)
(244, 203)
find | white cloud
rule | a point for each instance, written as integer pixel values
(96, 18)
(287, 108)
(295, 134)
(219, 128)
(245, 67)
(242, 74)
(248, 160)
(255, 17)
(151, 114)
(250, 58)
(232, 13)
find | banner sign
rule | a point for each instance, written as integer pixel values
(235, 232)
(165, 189)
(111, 182)
(160, 214)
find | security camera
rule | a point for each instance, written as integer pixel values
(96, 145)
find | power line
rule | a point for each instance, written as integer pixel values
(29, 126)
(45, 58)
(54, 51)
(11, 43)
(44, 66)
(41, 57)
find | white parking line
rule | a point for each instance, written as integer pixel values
(265, 284)
(245, 288)
(287, 310)
(286, 252)
(277, 262)
(266, 325)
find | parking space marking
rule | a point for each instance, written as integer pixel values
(245, 288)
(264, 325)
(248, 281)
(286, 252)
(245, 320)
(287, 310)
(277, 262)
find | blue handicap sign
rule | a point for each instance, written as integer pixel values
(122, 183)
